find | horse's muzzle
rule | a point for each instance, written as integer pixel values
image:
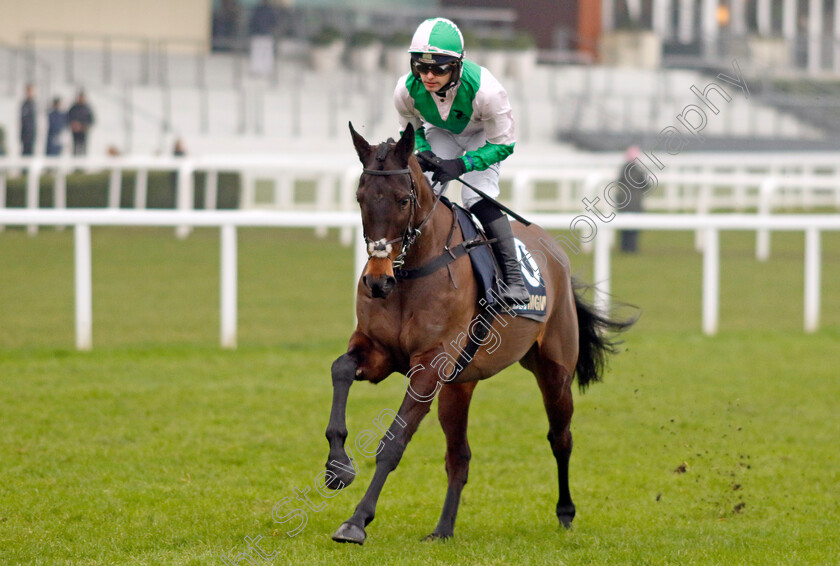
(381, 286)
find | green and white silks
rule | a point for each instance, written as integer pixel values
(478, 103)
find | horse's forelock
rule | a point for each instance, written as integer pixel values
(382, 152)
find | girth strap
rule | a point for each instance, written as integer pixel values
(474, 342)
(444, 259)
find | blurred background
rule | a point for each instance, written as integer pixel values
(244, 76)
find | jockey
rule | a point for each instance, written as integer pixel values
(464, 126)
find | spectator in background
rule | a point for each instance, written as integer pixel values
(80, 117)
(2, 142)
(262, 27)
(179, 149)
(57, 121)
(27, 121)
(226, 26)
(637, 183)
(263, 19)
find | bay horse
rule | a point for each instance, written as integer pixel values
(405, 324)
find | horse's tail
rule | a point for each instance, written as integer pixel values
(596, 339)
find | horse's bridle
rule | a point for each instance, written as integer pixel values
(382, 248)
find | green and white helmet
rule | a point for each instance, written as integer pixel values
(438, 36)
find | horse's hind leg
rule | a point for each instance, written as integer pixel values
(555, 381)
(453, 407)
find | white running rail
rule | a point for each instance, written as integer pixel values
(229, 221)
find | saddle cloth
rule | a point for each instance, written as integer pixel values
(486, 270)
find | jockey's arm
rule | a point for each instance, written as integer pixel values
(497, 118)
(485, 156)
(476, 160)
(420, 143)
(496, 114)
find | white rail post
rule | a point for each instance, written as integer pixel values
(84, 302)
(228, 287)
(247, 190)
(739, 196)
(60, 188)
(602, 269)
(347, 200)
(670, 195)
(211, 190)
(2, 194)
(590, 191)
(812, 279)
(184, 196)
(566, 195)
(33, 191)
(704, 205)
(60, 191)
(711, 280)
(765, 204)
(807, 193)
(836, 189)
(522, 192)
(141, 189)
(114, 188)
(323, 199)
(284, 191)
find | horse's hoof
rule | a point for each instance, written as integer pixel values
(339, 476)
(565, 514)
(566, 521)
(436, 536)
(349, 532)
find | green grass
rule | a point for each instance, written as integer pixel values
(159, 448)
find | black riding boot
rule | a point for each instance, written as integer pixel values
(496, 225)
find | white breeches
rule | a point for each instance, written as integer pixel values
(447, 145)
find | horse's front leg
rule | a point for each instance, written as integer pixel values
(422, 387)
(363, 361)
(338, 463)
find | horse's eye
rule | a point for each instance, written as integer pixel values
(404, 202)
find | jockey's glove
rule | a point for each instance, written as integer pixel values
(427, 160)
(448, 169)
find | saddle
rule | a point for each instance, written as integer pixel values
(485, 269)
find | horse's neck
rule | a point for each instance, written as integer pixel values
(434, 234)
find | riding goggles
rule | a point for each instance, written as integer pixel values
(437, 70)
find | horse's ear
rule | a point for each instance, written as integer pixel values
(362, 146)
(406, 145)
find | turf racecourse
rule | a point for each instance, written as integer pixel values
(159, 448)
